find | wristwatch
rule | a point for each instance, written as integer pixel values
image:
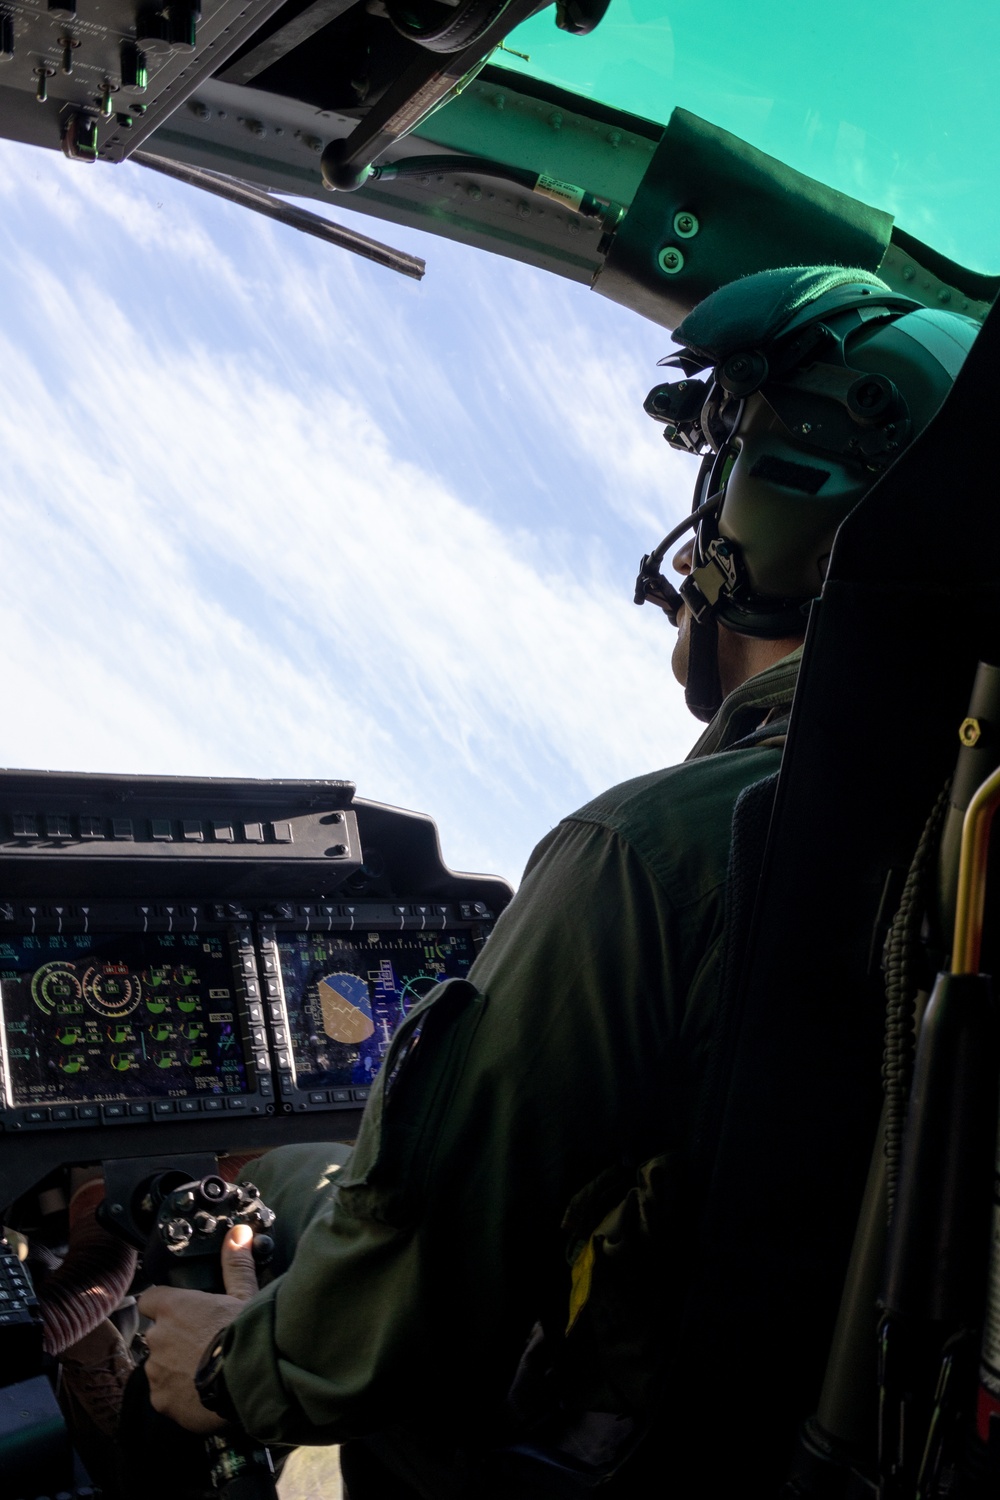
(210, 1381)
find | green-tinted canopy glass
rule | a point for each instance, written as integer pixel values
(896, 105)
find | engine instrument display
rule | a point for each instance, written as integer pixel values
(129, 1016)
(345, 994)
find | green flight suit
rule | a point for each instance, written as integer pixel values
(577, 1043)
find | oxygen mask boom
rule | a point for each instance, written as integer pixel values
(650, 583)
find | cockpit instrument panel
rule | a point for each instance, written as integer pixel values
(210, 963)
(344, 994)
(123, 1024)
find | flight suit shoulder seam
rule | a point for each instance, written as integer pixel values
(679, 902)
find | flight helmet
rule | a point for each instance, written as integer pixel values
(817, 379)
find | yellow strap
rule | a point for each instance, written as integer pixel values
(581, 1273)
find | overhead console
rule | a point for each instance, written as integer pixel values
(100, 78)
(191, 965)
(238, 95)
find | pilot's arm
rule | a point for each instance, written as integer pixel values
(579, 1047)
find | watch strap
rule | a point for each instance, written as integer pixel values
(210, 1381)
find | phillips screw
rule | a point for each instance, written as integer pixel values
(670, 260)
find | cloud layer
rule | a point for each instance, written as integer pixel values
(271, 511)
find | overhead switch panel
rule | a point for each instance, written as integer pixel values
(106, 73)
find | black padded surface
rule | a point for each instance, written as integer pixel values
(891, 652)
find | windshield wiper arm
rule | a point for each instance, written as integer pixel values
(261, 202)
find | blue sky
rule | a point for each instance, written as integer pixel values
(272, 511)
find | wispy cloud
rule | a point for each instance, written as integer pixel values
(270, 511)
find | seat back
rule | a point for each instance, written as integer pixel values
(910, 605)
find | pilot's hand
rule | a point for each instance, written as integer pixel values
(184, 1323)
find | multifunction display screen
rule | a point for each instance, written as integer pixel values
(131, 1016)
(345, 994)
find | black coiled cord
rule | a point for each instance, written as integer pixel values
(903, 958)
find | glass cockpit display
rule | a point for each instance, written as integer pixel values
(345, 994)
(129, 1016)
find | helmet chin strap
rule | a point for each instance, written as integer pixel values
(703, 689)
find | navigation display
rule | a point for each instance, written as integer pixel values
(345, 994)
(130, 1016)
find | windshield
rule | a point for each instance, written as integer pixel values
(271, 510)
(893, 105)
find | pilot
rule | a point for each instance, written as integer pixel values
(521, 1163)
